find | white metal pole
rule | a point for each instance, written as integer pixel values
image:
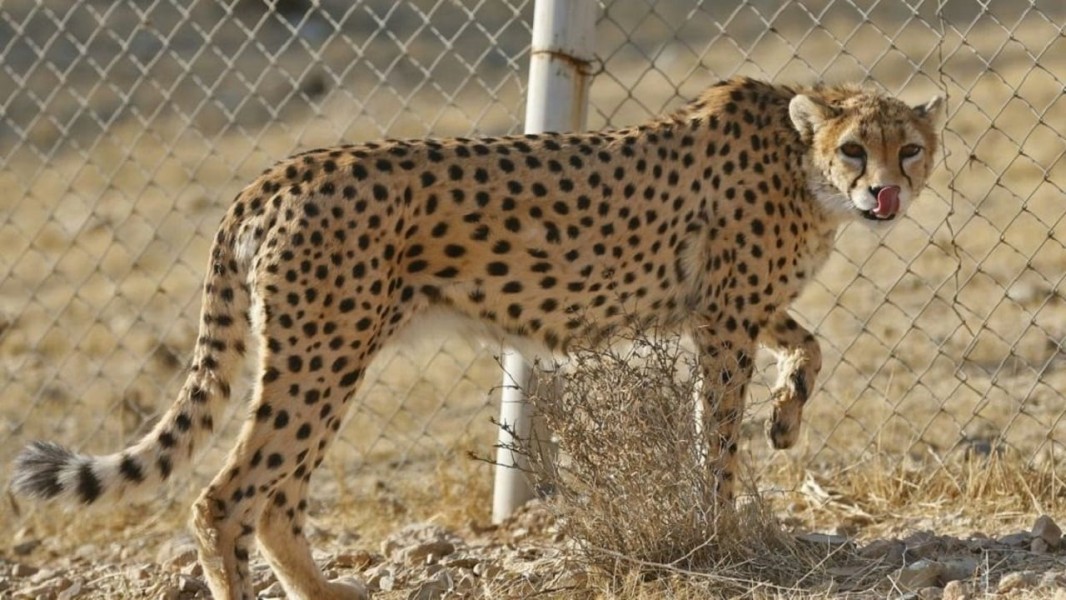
(559, 73)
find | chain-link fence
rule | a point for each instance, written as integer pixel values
(127, 126)
(947, 335)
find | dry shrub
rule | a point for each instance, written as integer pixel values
(631, 489)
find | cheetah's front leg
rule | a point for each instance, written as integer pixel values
(726, 367)
(799, 359)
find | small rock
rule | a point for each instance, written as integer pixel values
(46, 575)
(919, 574)
(434, 589)
(273, 590)
(823, 538)
(356, 586)
(1053, 579)
(25, 547)
(71, 592)
(889, 552)
(1018, 580)
(979, 542)
(487, 570)
(462, 562)
(21, 570)
(919, 537)
(189, 585)
(192, 570)
(1017, 540)
(956, 590)
(415, 534)
(922, 544)
(955, 569)
(464, 586)
(262, 581)
(48, 588)
(428, 552)
(177, 551)
(381, 579)
(1045, 528)
(353, 560)
(138, 573)
(181, 559)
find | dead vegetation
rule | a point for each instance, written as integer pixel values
(632, 495)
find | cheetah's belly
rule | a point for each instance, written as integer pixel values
(442, 322)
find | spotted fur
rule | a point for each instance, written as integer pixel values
(709, 221)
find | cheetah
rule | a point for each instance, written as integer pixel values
(708, 221)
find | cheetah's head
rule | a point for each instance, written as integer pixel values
(870, 154)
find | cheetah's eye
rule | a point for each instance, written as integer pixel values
(852, 150)
(910, 151)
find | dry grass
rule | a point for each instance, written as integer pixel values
(759, 556)
(632, 488)
(967, 495)
(633, 495)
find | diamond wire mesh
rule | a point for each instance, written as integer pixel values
(946, 336)
(126, 127)
(125, 130)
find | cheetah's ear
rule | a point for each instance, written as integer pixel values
(932, 111)
(808, 114)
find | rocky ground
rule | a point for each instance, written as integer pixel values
(521, 558)
(528, 557)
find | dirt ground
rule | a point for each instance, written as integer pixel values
(835, 542)
(944, 340)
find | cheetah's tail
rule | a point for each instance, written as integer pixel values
(46, 470)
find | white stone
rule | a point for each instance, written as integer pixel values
(420, 553)
(956, 590)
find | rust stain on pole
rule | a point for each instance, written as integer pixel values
(578, 72)
(583, 67)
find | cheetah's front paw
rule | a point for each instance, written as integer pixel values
(783, 427)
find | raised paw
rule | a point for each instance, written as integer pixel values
(782, 429)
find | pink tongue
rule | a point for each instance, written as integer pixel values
(887, 201)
